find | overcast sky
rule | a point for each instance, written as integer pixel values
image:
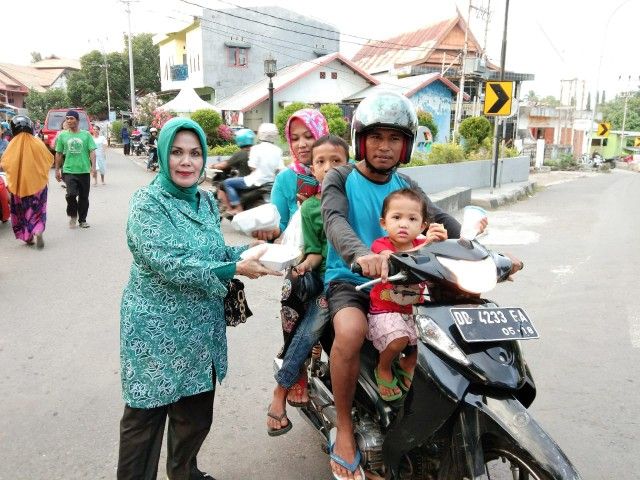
(553, 39)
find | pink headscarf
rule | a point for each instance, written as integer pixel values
(317, 125)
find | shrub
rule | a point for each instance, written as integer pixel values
(225, 133)
(335, 119)
(283, 115)
(160, 117)
(474, 130)
(445, 153)
(209, 120)
(426, 119)
(116, 128)
(223, 150)
(145, 108)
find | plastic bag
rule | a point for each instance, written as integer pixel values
(292, 235)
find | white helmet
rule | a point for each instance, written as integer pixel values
(153, 129)
(268, 132)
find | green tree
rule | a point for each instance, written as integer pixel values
(613, 112)
(209, 120)
(146, 63)
(39, 103)
(87, 88)
(283, 115)
(426, 119)
(335, 119)
(550, 101)
(474, 130)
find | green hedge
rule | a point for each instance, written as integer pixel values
(223, 150)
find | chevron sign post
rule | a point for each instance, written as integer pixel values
(497, 98)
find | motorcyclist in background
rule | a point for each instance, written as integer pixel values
(152, 144)
(238, 164)
(265, 159)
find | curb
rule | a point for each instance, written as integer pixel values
(491, 202)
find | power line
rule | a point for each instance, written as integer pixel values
(259, 44)
(406, 47)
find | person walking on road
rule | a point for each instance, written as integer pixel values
(78, 148)
(126, 139)
(173, 341)
(101, 155)
(27, 162)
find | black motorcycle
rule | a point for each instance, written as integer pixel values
(249, 198)
(465, 415)
(137, 145)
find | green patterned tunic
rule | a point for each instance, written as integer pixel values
(172, 319)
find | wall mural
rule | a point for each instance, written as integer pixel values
(436, 98)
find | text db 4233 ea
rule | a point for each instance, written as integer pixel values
(488, 324)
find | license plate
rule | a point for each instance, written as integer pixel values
(493, 324)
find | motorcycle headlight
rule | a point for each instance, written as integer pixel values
(431, 334)
(473, 276)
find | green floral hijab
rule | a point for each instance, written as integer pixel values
(165, 142)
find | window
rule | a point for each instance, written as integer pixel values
(237, 57)
(334, 75)
(323, 75)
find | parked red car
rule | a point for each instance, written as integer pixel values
(53, 124)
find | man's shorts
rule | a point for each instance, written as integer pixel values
(343, 294)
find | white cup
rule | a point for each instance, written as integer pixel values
(473, 215)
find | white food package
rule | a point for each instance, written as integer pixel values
(276, 257)
(264, 217)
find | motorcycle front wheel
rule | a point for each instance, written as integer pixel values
(505, 461)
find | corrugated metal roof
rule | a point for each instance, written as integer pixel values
(407, 48)
(253, 95)
(406, 86)
(30, 77)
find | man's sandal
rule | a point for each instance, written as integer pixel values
(392, 385)
(354, 467)
(274, 432)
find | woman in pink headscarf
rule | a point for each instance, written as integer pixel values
(295, 183)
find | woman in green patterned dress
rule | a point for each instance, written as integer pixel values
(172, 332)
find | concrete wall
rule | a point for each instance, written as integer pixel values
(287, 47)
(475, 174)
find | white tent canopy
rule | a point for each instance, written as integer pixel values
(187, 101)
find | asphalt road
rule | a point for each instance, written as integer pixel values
(59, 363)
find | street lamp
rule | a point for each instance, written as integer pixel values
(270, 71)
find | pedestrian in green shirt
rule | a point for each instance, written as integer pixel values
(173, 343)
(78, 150)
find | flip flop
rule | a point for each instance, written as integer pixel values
(391, 385)
(352, 467)
(401, 374)
(274, 432)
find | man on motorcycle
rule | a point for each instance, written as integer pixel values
(383, 130)
(152, 144)
(265, 159)
(238, 164)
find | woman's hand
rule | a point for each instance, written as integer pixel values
(436, 233)
(251, 267)
(266, 235)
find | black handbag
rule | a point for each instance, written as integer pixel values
(236, 308)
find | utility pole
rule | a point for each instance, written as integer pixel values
(460, 97)
(129, 41)
(496, 126)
